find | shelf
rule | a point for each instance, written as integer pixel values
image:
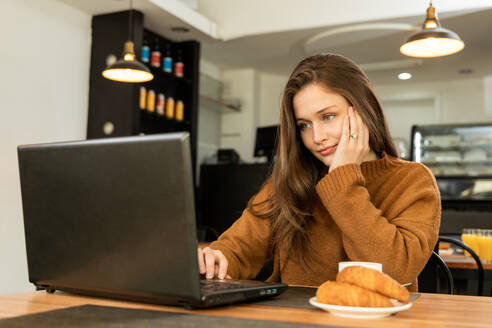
(217, 105)
(430, 148)
(151, 123)
(157, 71)
(457, 147)
(457, 163)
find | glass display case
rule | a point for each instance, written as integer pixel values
(454, 150)
(459, 155)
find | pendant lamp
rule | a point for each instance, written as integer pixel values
(128, 69)
(433, 40)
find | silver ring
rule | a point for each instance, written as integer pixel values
(354, 135)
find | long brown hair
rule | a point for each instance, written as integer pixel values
(295, 172)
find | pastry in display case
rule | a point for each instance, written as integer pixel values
(454, 149)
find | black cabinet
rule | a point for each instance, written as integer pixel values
(114, 106)
(225, 190)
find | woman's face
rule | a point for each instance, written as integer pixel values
(319, 115)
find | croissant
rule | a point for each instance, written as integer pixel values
(375, 281)
(341, 293)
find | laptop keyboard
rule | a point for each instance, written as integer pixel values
(220, 285)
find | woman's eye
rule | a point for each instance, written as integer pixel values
(304, 126)
(328, 117)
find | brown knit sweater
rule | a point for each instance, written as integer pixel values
(387, 211)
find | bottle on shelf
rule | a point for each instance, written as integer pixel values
(167, 61)
(143, 98)
(170, 108)
(178, 65)
(155, 55)
(145, 52)
(160, 104)
(179, 115)
(151, 101)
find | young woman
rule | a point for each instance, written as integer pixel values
(337, 191)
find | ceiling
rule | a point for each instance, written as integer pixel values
(160, 16)
(374, 44)
(376, 49)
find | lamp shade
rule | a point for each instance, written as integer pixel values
(128, 69)
(433, 40)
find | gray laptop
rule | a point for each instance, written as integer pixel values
(116, 218)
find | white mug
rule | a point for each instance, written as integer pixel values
(370, 265)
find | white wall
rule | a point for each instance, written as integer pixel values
(487, 94)
(457, 101)
(238, 130)
(270, 98)
(260, 96)
(44, 69)
(401, 115)
(209, 117)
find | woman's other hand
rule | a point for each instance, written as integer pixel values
(353, 146)
(212, 263)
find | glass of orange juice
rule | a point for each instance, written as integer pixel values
(466, 238)
(476, 235)
(470, 238)
(485, 245)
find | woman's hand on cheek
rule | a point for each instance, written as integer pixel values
(354, 141)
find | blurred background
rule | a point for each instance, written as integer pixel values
(237, 57)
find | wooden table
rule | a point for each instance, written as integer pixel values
(464, 270)
(464, 262)
(430, 310)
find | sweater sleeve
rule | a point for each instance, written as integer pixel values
(403, 238)
(246, 243)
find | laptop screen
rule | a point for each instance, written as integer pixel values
(111, 215)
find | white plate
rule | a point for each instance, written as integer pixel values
(361, 312)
